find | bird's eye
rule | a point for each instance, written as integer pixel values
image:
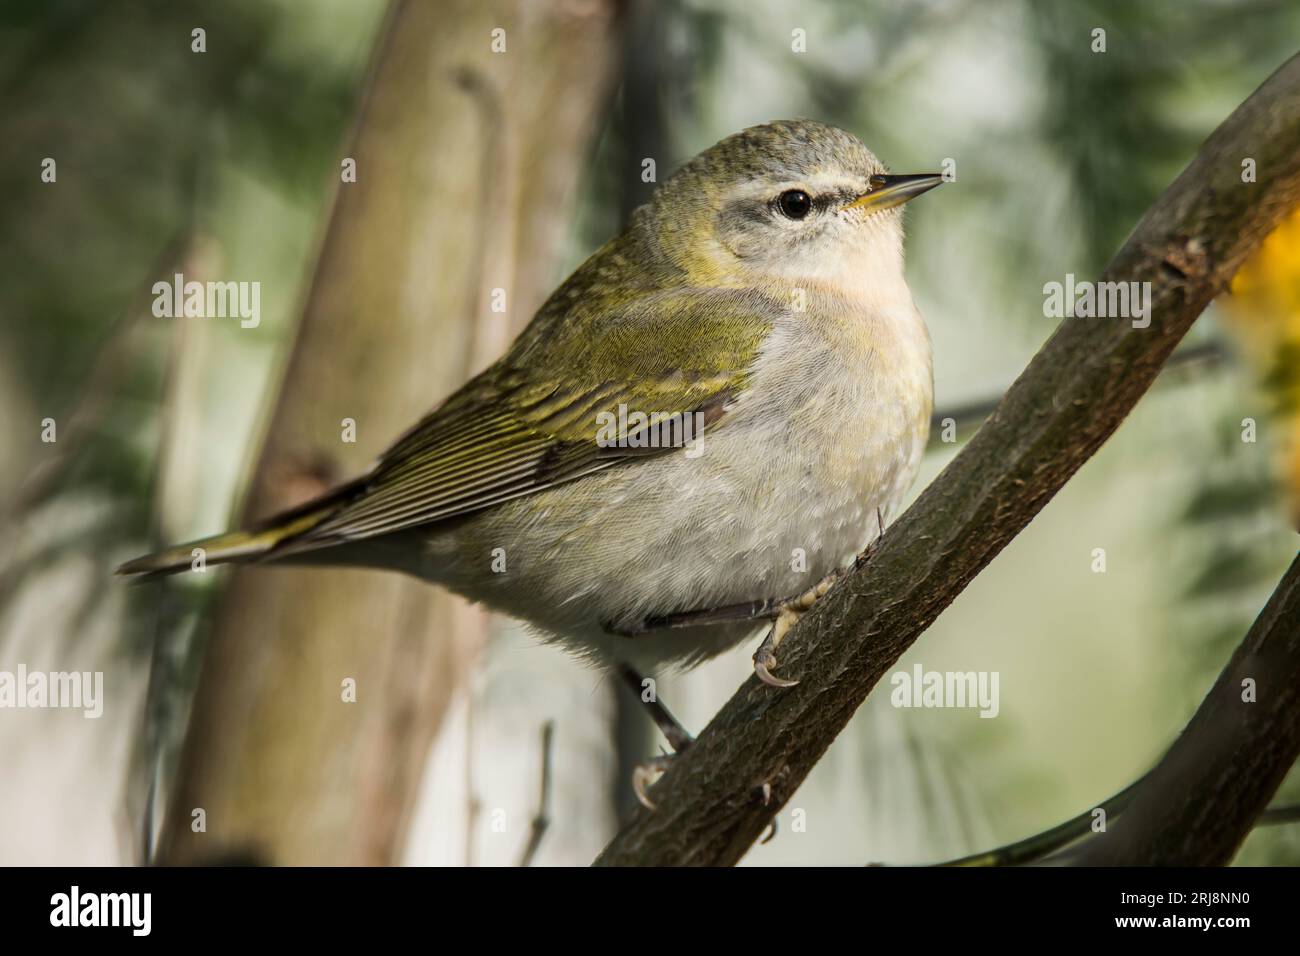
(794, 203)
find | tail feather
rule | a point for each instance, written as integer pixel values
(235, 546)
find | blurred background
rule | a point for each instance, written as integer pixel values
(498, 160)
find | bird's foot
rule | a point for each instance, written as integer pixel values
(645, 774)
(787, 616)
(677, 736)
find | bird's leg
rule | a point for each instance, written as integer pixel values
(768, 608)
(677, 735)
(790, 610)
(783, 612)
(727, 613)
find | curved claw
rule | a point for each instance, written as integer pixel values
(640, 780)
(763, 673)
(765, 656)
(766, 791)
(644, 774)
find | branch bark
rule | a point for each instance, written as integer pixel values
(1199, 803)
(1066, 403)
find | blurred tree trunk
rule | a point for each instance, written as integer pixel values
(466, 165)
(639, 126)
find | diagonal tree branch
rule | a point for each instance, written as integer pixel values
(1040, 845)
(1199, 803)
(1073, 395)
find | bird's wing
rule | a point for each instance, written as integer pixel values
(534, 419)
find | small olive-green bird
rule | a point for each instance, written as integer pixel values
(698, 430)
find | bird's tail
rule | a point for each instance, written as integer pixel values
(234, 546)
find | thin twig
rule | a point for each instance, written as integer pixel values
(1049, 841)
(969, 415)
(1042, 844)
(543, 818)
(1201, 800)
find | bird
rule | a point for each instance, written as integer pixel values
(696, 434)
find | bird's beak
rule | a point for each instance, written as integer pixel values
(889, 191)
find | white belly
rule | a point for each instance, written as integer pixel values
(786, 489)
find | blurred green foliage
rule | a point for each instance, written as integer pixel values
(1059, 149)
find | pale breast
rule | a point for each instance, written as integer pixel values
(830, 431)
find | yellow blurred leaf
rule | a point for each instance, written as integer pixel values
(1263, 310)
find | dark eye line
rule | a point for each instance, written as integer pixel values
(841, 197)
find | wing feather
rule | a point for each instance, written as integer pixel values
(514, 430)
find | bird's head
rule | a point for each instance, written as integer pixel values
(793, 199)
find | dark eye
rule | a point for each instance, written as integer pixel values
(795, 203)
